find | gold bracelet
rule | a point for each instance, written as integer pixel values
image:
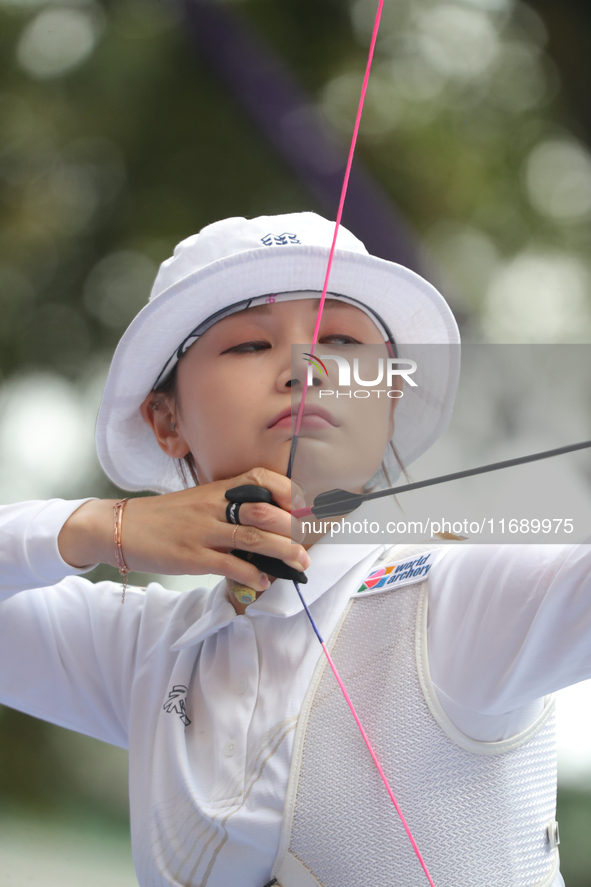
(122, 566)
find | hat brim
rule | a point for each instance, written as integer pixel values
(413, 309)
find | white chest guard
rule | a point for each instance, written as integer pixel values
(481, 812)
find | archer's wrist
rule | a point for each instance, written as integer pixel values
(87, 536)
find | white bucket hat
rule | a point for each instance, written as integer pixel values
(239, 259)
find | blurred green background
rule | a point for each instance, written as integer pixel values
(117, 140)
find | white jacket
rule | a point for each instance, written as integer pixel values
(207, 701)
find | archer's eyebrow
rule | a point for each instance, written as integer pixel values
(259, 309)
(332, 303)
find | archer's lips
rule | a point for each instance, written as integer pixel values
(314, 417)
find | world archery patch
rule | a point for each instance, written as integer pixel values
(401, 572)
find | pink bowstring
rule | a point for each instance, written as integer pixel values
(377, 763)
(372, 45)
(300, 414)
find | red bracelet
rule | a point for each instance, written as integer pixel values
(123, 568)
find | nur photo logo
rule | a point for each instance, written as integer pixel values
(387, 371)
(314, 362)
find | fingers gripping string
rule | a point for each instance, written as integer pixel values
(299, 422)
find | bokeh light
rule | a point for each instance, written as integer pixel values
(46, 437)
(573, 706)
(558, 179)
(118, 287)
(58, 40)
(519, 80)
(458, 41)
(539, 297)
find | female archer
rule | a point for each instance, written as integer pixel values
(245, 766)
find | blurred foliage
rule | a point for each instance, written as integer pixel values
(574, 817)
(117, 142)
(104, 166)
(104, 171)
(568, 25)
(57, 771)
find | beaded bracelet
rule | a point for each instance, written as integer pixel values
(122, 566)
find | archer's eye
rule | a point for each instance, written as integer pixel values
(247, 348)
(339, 339)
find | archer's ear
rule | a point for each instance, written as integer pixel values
(158, 411)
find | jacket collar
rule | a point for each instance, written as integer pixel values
(329, 563)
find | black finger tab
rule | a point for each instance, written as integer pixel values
(249, 493)
(271, 565)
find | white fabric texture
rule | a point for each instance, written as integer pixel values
(29, 553)
(478, 818)
(209, 796)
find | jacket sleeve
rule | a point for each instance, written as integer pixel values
(508, 625)
(67, 646)
(29, 554)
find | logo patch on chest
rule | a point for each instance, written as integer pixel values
(401, 572)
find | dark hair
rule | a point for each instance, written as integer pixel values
(187, 464)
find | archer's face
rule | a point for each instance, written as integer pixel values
(237, 388)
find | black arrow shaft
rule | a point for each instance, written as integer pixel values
(483, 469)
(340, 504)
